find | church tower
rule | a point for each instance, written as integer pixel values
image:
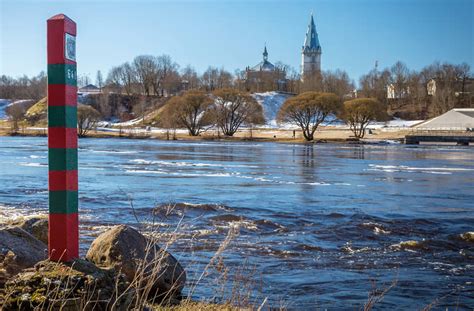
(311, 51)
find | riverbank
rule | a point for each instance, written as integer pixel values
(325, 134)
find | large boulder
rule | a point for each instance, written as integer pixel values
(36, 226)
(18, 250)
(77, 285)
(144, 264)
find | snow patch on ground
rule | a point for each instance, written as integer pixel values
(392, 124)
(396, 123)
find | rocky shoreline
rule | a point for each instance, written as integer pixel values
(122, 270)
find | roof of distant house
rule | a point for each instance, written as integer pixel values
(90, 87)
(465, 111)
(457, 118)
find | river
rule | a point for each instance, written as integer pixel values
(315, 226)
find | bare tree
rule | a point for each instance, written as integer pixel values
(399, 78)
(145, 69)
(24, 87)
(190, 76)
(126, 77)
(165, 74)
(240, 79)
(214, 78)
(374, 84)
(232, 108)
(451, 83)
(337, 82)
(191, 110)
(83, 80)
(7, 87)
(224, 79)
(359, 112)
(114, 81)
(308, 110)
(87, 118)
(99, 80)
(209, 78)
(312, 82)
(294, 80)
(16, 113)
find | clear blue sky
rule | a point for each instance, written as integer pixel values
(231, 34)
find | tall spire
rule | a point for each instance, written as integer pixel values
(311, 41)
(265, 53)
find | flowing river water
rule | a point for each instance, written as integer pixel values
(313, 226)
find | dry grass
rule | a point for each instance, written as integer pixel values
(193, 306)
(376, 295)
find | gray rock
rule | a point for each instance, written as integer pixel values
(144, 264)
(18, 250)
(36, 226)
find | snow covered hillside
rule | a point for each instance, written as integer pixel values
(3, 104)
(271, 103)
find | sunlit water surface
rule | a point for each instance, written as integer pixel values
(317, 226)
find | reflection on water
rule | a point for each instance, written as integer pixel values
(317, 222)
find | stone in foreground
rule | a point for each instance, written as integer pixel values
(37, 226)
(145, 265)
(18, 250)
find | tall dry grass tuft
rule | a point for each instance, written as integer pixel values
(236, 289)
(376, 295)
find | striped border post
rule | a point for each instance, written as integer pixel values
(63, 244)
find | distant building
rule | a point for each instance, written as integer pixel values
(311, 51)
(89, 89)
(351, 95)
(394, 92)
(431, 87)
(265, 76)
(454, 119)
(463, 87)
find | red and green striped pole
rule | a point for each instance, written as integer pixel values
(63, 242)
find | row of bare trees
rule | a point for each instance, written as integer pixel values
(410, 98)
(23, 87)
(227, 109)
(310, 109)
(160, 75)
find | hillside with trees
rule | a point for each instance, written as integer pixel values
(145, 84)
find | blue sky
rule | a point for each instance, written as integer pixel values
(231, 34)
